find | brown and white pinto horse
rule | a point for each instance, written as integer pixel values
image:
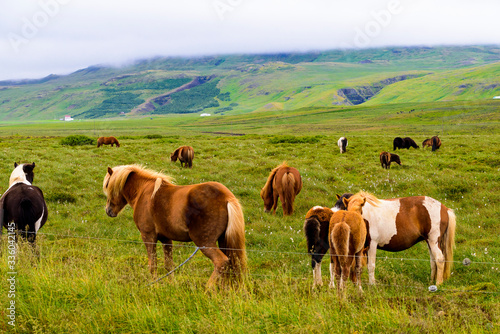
(284, 182)
(347, 235)
(107, 141)
(399, 223)
(206, 213)
(185, 154)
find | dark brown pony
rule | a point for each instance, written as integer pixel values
(107, 141)
(284, 182)
(206, 213)
(386, 158)
(436, 143)
(185, 154)
(347, 236)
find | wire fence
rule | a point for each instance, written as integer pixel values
(432, 288)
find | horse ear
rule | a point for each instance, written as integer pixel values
(15, 164)
(338, 196)
(346, 202)
(110, 171)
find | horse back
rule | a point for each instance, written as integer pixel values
(25, 205)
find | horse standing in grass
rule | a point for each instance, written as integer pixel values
(107, 141)
(342, 144)
(436, 143)
(399, 223)
(185, 154)
(347, 236)
(284, 182)
(386, 158)
(206, 213)
(22, 206)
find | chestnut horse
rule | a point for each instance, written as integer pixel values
(427, 143)
(107, 141)
(284, 182)
(347, 236)
(185, 154)
(436, 143)
(386, 158)
(399, 223)
(206, 213)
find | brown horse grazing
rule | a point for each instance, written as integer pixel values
(316, 225)
(347, 236)
(107, 141)
(386, 158)
(206, 213)
(397, 224)
(284, 182)
(185, 154)
(436, 143)
(427, 143)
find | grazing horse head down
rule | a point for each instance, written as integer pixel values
(107, 141)
(185, 154)
(386, 158)
(284, 183)
(347, 236)
(342, 144)
(399, 223)
(427, 143)
(21, 173)
(207, 214)
(22, 206)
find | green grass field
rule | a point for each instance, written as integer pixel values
(92, 275)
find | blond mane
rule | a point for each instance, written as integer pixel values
(268, 187)
(370, 198)
(114, 185)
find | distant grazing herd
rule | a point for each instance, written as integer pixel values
(210, 215)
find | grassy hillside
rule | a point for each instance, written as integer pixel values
(249, 82)
(92, 271)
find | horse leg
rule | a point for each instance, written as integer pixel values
(275, 201)
(150, 243)
(438, 256)
(317, 274)
(167, 252)
(433, 264)
(334, 270)
(219, 259)
(372, 252)
(359, 269)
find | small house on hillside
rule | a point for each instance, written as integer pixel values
(67, 118)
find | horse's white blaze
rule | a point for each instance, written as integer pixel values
(39, 221)
(382, 220)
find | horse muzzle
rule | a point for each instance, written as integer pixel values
(110, 212)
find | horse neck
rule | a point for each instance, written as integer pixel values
(135, 186)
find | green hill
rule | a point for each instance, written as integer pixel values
(235, 84)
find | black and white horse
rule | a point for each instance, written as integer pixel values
(22, 207)
(342, 144)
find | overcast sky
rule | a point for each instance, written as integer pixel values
(41, 37)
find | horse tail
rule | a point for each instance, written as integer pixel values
(448, 243)
(288, 181)
(27, 217)
(190, 156)
(312, 228)
(435, 143)
(340, 239)
(234, 242)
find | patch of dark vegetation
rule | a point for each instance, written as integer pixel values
(163, 85)
(123, 102)
(78, 140)
(294, 140)
(153, 136)
(60, 197)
